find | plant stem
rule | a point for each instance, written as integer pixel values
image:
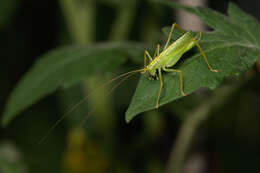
(80, 18)
(125, 16)
(189, 127)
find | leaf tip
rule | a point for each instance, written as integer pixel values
(128, 118)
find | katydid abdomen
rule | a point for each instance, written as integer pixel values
(171, 55)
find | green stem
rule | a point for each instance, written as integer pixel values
(80, 18)
(125, 17)
(189, 127)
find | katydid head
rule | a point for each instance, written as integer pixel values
(153, 75)
(152, 72)
(151, 68)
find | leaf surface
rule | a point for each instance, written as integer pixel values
(63, 68)
(232, 48)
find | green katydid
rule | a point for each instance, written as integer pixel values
(170, 56)
(162, 61)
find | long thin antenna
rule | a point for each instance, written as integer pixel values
(127, 74)
(110, 92)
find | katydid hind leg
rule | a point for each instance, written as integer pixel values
(180, 28)
(181, 78)
(197, 44)
(170, 35)
(205, 57)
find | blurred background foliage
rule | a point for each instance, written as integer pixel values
(227, 141)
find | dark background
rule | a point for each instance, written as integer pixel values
(228, 141)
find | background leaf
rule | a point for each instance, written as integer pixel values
(63, 68)
(232, 48)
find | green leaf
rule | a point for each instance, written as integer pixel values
(248, 24)
(232, 48)
(63, 68)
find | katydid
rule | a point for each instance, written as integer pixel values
(170, 55)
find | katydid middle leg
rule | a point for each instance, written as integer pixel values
(157, 51)
(181, 80)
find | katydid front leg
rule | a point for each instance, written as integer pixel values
(146, 53)
(160, 90)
